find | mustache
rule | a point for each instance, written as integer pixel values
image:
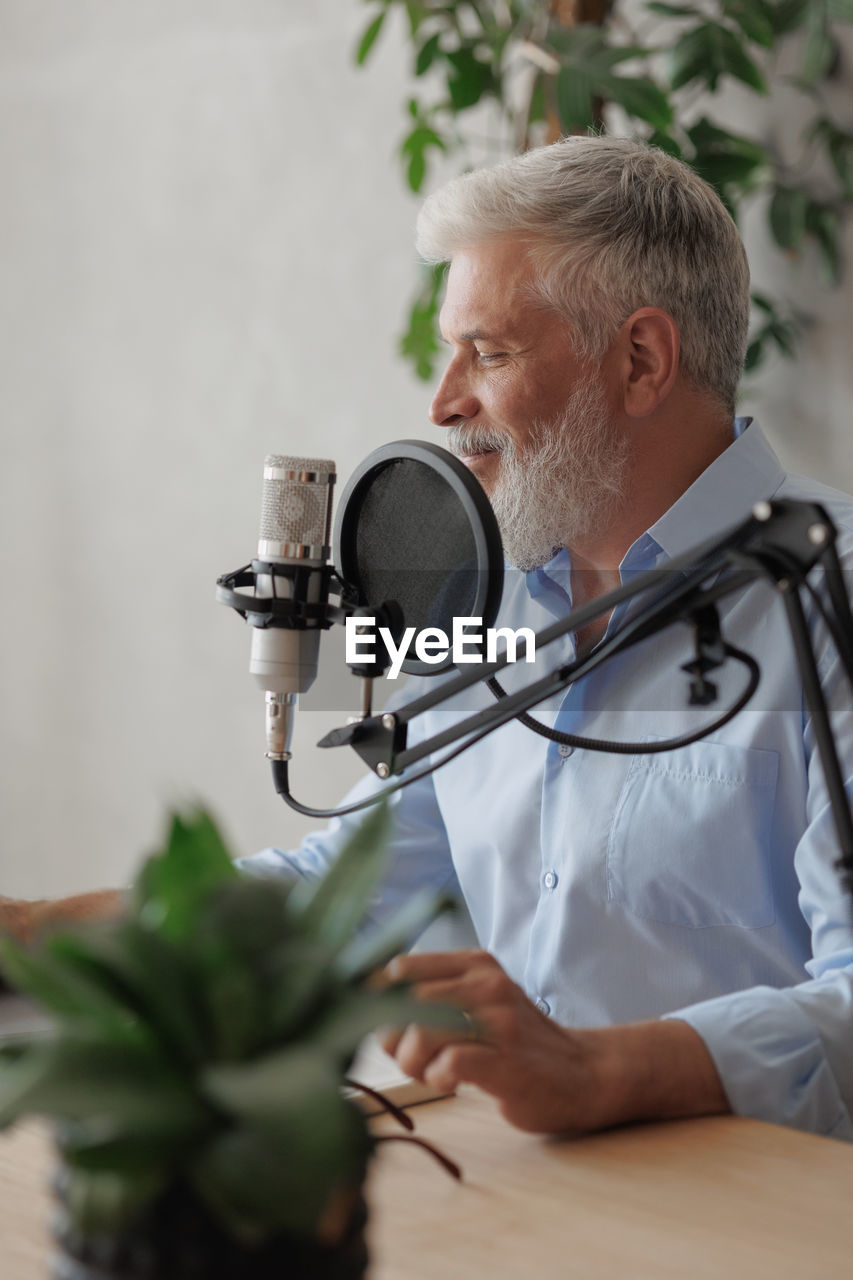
(465, 439)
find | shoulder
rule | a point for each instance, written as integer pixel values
(838, 505)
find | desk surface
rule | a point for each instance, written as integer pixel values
(699, 1198)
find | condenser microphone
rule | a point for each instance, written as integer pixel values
(293, 550)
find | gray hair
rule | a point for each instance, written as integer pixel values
(612, 225)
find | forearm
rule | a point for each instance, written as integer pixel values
(26, 920)
(649, 1071)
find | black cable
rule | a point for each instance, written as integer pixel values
(644, 748)
(282, 784)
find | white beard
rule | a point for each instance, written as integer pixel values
(566, 481)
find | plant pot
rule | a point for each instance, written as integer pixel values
(177, 1239)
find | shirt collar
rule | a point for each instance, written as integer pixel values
(722, 495)
(747, 471)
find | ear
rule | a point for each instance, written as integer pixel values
(649, 352)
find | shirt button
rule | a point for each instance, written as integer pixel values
(565, 750)
(543, 1005)
(550, 879)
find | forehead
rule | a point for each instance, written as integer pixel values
(489, 288)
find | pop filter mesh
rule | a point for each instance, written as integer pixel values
(414, 544)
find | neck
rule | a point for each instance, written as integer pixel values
(665, 459)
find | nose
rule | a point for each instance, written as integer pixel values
(453, 401)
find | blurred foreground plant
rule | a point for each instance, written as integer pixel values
(200, 1043)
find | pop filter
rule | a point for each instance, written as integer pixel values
(415, 529)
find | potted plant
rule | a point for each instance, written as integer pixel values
(194, 1064)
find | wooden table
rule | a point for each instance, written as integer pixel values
(718, 1197)
(715, 1198)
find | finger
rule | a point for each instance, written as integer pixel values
(416, 1048)
(389, 1038)
(429, 965)
(483, 985)
(456, 1064)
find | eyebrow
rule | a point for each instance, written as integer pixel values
(473, 335)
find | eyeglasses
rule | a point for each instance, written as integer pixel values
(407, 1122)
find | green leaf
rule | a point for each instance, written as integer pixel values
(664, 142)
(841, 10)
(787, 216)
(709, 137)
(839, 146)
(780, 335)
(752, 18)
(416, 14)
(146, 977)
(128, 1088)
(53, 986)
(729, 161)
(266, 1179)
(427, 54)
(671, 10)
(93, 1145)
(293, 1139)
(173, 885)
(588, 43)
(754, 354)
(249, 953)
(821, 51)
(763, 302)
(824, 224)
(104, 1202)
(374, 948)
(693, 57)
(574, 99)
(332, 909)
(420, 342)
(735, 61)
(710, 51)
(275, 1086)
(786, 15)
(343, 1029)
(368, 39)
(779, 329)
(470, 79)
(641, 97)
(414, 148)
(536, 110)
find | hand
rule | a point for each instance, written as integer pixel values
(25, 921)
(18, 918)
(548, 1078)
(540, 1072)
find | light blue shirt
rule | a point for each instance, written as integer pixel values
(697, 883)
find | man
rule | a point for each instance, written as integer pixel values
(663, 935)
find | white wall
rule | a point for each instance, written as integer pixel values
(206, 255)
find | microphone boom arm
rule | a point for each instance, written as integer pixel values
(781, 541)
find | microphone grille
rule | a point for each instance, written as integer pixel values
(296, 504)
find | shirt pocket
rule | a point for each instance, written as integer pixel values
(690, 841)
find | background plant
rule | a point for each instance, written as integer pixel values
(502, 75)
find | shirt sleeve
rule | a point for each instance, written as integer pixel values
(787, 1055)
